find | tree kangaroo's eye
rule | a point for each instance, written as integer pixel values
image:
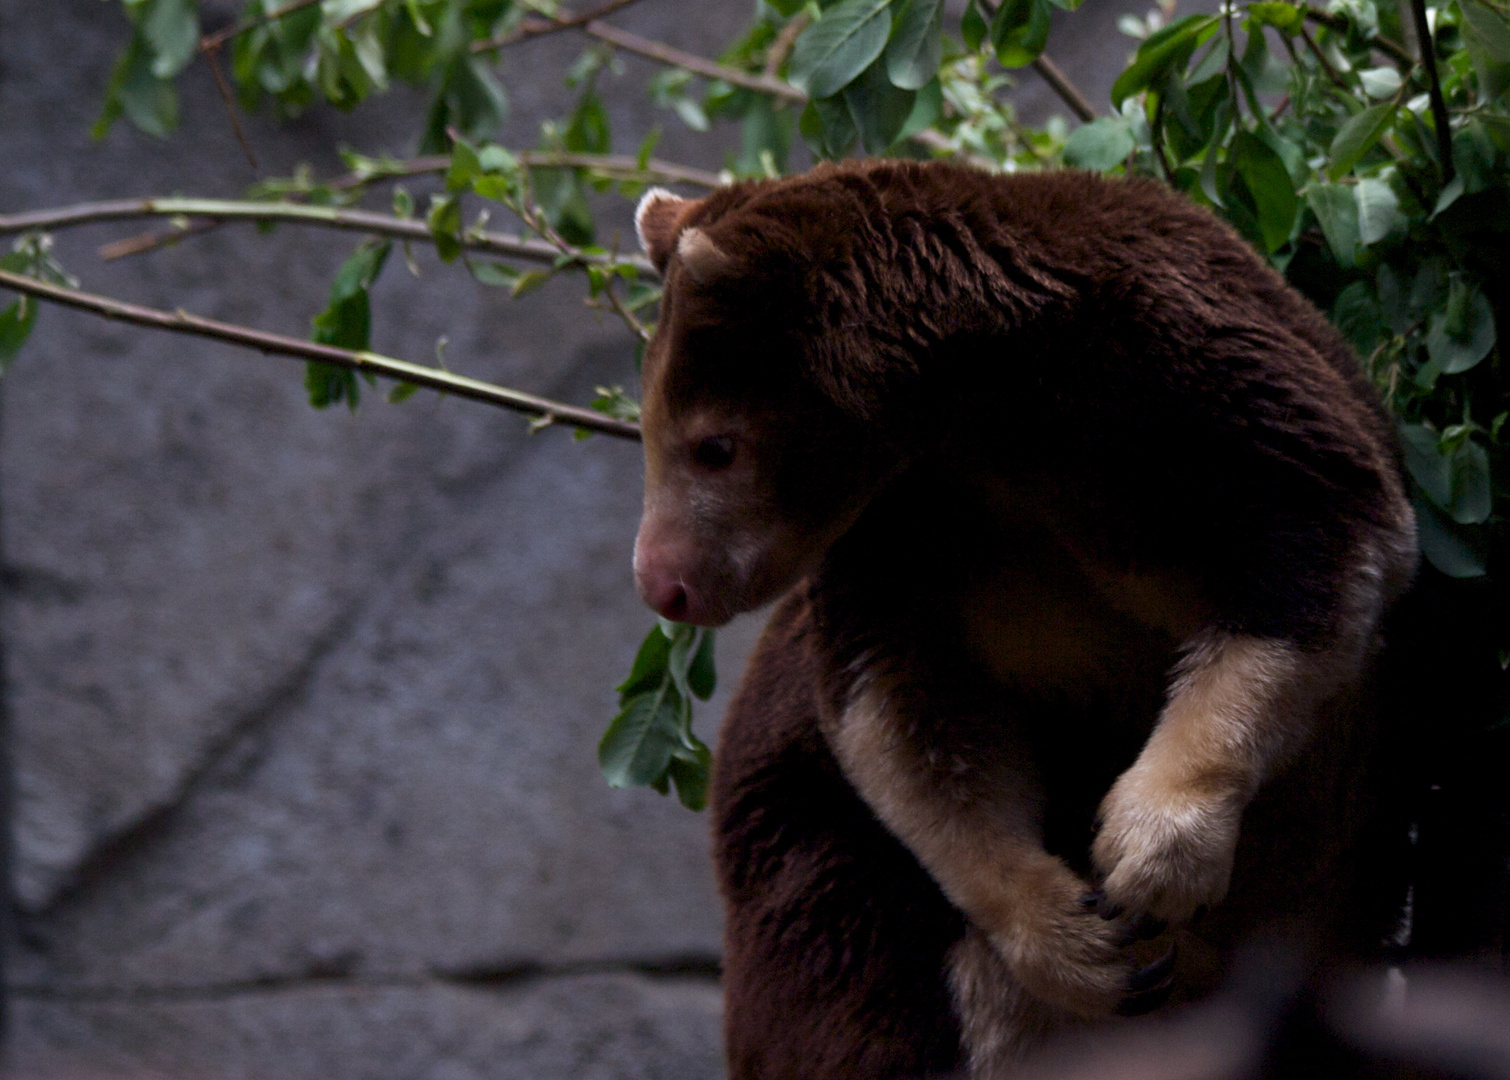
(714, 452)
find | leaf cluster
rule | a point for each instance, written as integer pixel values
(650, 742)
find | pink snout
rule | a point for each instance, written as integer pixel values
(665, 573)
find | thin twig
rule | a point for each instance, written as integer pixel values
(533, 28)
(1438, 104)
(142, 243)
(1060, 83)
(1338, 23)
(625, 167)
(615, 166)
(1326, 65)
(364, 221)
(631, 320)
(212, 57)
(213, 41)
(181, 322)
(1054, 75)
(665, 54)
(781, 47)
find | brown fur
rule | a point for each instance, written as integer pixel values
(1088, 515)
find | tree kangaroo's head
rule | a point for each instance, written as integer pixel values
(758, 450)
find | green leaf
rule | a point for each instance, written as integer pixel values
(1428, 466)
(135, 92)
(1212, 64)
(1358, 315)
(691, 779)
(469, 100)
(973, 27)
(172, 29)
(359, 271)
(16, 324)
(339, 11)
(839, 46)
(464, 166)
(927, 107)
(1357, 137)
(651, 742)
(587, 130)
(1487, 38)
(879, 110)
(328, 384)
(1337, 211)
(345, 323)
(528, 282)
(1268, 181)
(649, 663)
(1020, 30)
(1289, 18)
(1457, 481)
(402, 392)
(1459, 551)
(917, 44)
(613, 401)
(1461, 335)
(1449, 194)
(1472, 498)
(701, 677)
(1162, 52)
(444, 221)
(638, 746)
(1102, 144)
(827, 128)
(1379, 215)
(497, 274)
(1380, 82)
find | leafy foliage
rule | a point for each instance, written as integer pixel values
(650, 742)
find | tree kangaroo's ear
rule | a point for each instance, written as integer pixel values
(658, 220)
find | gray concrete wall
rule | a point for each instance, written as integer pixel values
(304, 705)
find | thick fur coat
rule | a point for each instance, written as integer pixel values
(1083, 526)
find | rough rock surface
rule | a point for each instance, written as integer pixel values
(303, 705)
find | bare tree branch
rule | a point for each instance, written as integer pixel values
(1428, 50)
(1060, 83)
(533, 28)
(543, 409)
(212, 57)
(213, 41)
(364, 221)
(615, 166)
(781, 48)
(1052, 74)
(1393, 49)
(665, 54)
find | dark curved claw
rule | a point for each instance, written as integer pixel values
(1158, 973)
(1149, 986)
(1141, 927)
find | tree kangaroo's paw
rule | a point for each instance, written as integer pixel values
(1164, 849)
(1064, 952)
